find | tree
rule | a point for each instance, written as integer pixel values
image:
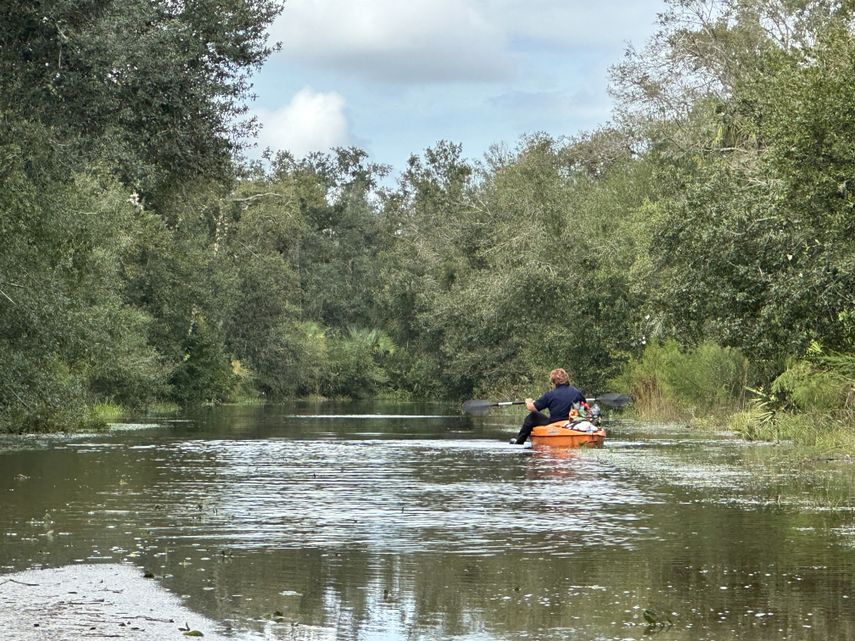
(118, 121)
(152, 88)
(66, 335)
(745, 102)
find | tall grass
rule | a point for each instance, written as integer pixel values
(809, 404)
(669, 383)
(824, 432)
(107, 412)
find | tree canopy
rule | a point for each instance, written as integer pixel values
(143, 261)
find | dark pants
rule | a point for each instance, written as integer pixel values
(531, 421)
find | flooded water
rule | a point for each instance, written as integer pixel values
(390, 522)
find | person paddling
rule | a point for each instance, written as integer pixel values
(559, 401)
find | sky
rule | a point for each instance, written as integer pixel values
(394, 77)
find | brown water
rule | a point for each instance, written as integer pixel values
(417, 523)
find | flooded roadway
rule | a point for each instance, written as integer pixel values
(390, 522)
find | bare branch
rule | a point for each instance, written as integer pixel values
(254, 197)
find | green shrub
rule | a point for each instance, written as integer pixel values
(668, 383)
(134, 375)
(358, 364)
(824, 432)
(710, 377)
(293, 360)
(755, 422)
(43, 395)
(205, 373)
(809, 387)
(107, 412)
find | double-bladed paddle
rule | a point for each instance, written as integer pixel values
(612, 399)
(480, 407)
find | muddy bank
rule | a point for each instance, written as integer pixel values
(108, 601)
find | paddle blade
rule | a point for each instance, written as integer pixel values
(613, 399)
(477, 408)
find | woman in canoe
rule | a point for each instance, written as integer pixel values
(559, 401)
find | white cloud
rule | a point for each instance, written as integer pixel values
(429, 41)
(400, 41)
(573, 23)
(312, 121)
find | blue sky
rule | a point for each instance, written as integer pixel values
(396, 76)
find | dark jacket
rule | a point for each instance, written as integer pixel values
(559, 401)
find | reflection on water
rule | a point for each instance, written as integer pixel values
(376, 526)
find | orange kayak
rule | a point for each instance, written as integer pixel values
(568, 434)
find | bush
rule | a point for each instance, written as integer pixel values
(809, 404)
(810, 387)
(205, 373)
(358, 364)
(668, 383)
(756, 422)
(134, 375)
(710, 377)
(42, 395)
(814, 430)
(293, 361)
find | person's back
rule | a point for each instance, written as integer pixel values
(559, 401)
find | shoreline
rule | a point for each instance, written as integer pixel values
(98, 601)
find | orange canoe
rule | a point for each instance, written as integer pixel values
(568, 434)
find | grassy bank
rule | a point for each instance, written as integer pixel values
(828, 431)
(810, 403)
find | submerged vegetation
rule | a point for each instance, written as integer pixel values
(696, 252)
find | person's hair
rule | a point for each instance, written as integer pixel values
(559, 377)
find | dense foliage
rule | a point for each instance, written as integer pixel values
(699, 245)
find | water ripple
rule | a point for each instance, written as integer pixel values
(459, 496)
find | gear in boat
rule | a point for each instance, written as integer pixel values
(570, 433)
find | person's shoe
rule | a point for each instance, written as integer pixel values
(513, 441)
